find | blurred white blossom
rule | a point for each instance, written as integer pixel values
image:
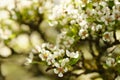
(5, 51)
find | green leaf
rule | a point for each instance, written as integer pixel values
(74, 60)
(118, 59)
(73, 31)
(90, 5)
(91, 19)
(117, 24)
(12, 36)
(111, 3)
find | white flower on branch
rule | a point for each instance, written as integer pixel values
(98, 27)
(50, 60)
(83, 33)
(72, 54)
(110, 62)
(61, 67)
(45, 54)
(108, 37)
(58, 53)
(29, 59)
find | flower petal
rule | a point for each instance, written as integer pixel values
(60, 74)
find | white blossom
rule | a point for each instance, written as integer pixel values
(29, 59)
(108, 36)
(110, 61)
(83, 33)
(5, 51)
(61, 67)
(117, 78)
(58, 53)
(5, 34)
(50, 60)
(98, 27)
(72, 54)
(44, 55)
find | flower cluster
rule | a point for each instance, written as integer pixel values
(19, 25)
(86, 26)
(88, 20)
(57, 58)
(64, 41)
(92, 18)
(5, 33)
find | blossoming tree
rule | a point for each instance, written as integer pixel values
(87, 46)
(88, 41)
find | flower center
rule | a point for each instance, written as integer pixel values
(84, 33)
(60, 69)
(107, 36)
(45, 55)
